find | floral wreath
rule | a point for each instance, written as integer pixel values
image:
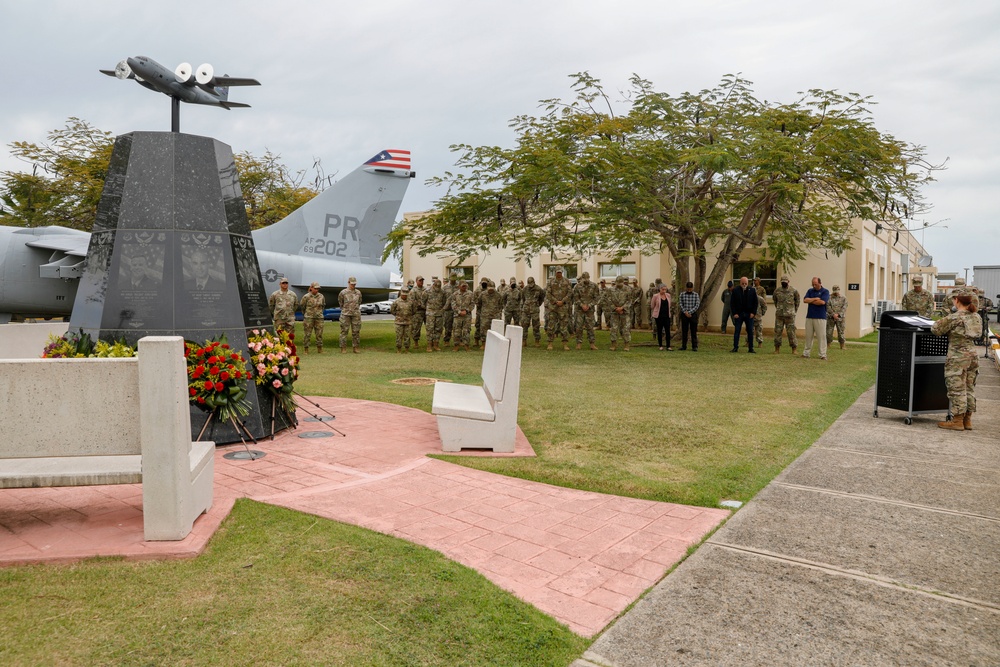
(275, 365)
(217, 379)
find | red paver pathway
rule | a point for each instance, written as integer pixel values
(580, 557)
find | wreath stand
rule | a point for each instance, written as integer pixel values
(324, 420)
(249, 454)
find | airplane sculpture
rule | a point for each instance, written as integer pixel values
(199, 86)
(338, 234)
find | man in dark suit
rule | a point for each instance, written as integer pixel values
(743, 304)
(202, 280)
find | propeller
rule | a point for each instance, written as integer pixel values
(205, 74)
(183, 72)
(123, 71)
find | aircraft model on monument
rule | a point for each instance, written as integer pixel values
(338, 234)
(184, 84)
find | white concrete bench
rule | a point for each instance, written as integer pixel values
(80, 422)
(484, 417)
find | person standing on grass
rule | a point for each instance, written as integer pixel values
(727, 294)
(816, 298)
(461, 304)
(617, 305)
(435, 308)
(743, 304)
(786, 304)
(402, 310)
(836, 311)
(758, 322)
(349, 301)
(689, 301)
(660, 311)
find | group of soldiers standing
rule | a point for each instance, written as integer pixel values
(449, 311)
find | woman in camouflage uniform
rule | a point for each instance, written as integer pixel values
(961, 366)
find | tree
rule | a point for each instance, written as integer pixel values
(67, 176)
(714, 171)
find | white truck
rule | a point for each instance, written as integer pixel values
(987, 278)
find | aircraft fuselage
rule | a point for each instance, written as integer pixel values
(155, 76)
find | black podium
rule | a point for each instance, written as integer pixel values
(910, 368)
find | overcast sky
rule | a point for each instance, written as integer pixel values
(342, 81)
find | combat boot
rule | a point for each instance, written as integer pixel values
(343, 350)
(467, 348)
(593, 347)
(306, 350)
(319, 350)
(579, 345)
(566, 347)
(777, 349)
(549, 347)
(538, 343)
(357, 350)
(794, 350)
(967, 421)
(841, 346)
(957, 423)
(430, 348)
(626, 348)
(614, 347)
(399, 351)
(457, 346)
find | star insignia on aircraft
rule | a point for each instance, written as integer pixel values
(270, 275)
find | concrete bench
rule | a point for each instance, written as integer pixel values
(80, 422)
(484, 417)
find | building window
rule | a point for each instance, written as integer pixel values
(569, 271)
(461, 273)
(870, 287)
(766, 271)
(610, 271)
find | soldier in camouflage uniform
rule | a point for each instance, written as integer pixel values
(585, 298)
(282, 304)
(462, 302)
(617, 304)
(448, 315)
(786, 303)
(350, 316)
(435, 308)
(312, 306)
(418, 297)
(961, 366)
(919, 300)
(758, 326)
(491, 304)
(836, 312)
(557, 307)
(477, 296)
(512, 303)
(531, 299)
(402, 310)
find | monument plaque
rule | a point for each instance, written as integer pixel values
(172, 254)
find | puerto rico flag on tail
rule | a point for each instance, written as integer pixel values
(391, 158)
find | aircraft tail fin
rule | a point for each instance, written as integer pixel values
(350, 220)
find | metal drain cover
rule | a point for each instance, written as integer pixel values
(316, 434)
(244, 455)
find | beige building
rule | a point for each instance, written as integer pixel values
(874, 275)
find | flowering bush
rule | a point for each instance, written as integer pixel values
(78, 345)
(217, 378)
(275, 364)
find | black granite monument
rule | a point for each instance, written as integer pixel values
(171, 254)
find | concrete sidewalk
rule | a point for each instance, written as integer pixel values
(880, 545)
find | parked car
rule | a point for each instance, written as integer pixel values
(328, 314)
(383, 306)
(369, 309)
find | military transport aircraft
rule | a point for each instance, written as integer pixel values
(338, 234)
(199, 86)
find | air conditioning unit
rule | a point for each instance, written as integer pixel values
(881, 307)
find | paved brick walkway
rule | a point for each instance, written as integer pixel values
(580, 557)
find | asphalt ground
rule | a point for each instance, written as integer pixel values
(880, 545)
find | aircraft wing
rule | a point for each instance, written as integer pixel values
(109, 72)
(230, 105)
(234, 81)
(69, 244)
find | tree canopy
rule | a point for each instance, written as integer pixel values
(67, 177)
(715, 171)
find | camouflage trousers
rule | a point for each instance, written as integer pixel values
(600, 316)
(434, 327)
(585, 323)
(350, 325)
(557, 324)
(417, 321)
(531, 319)
(286, 325)
(447, 322)
(758, 329)
(510, 316)
(480, 332)
(313, 326)
(960, 379)
(787, 323)
(462, 325)
(832, 324)
(621, 325)
(403, 336)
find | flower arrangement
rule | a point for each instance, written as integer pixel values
(275, 365)
(217, 378)
(76, 345)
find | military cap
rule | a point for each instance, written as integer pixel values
(419, 278)
(559, 269)
(960, 281)
(917, 280)
(404, 290)
(352, 280)
(963, 291)
(513, 280)
(585, 275)
(284, 281)
(786, 279)
(531, 281)
(314, 284)
(836, 288)
(620, 279)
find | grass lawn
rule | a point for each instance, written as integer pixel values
(277, 587)
(692, 428)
